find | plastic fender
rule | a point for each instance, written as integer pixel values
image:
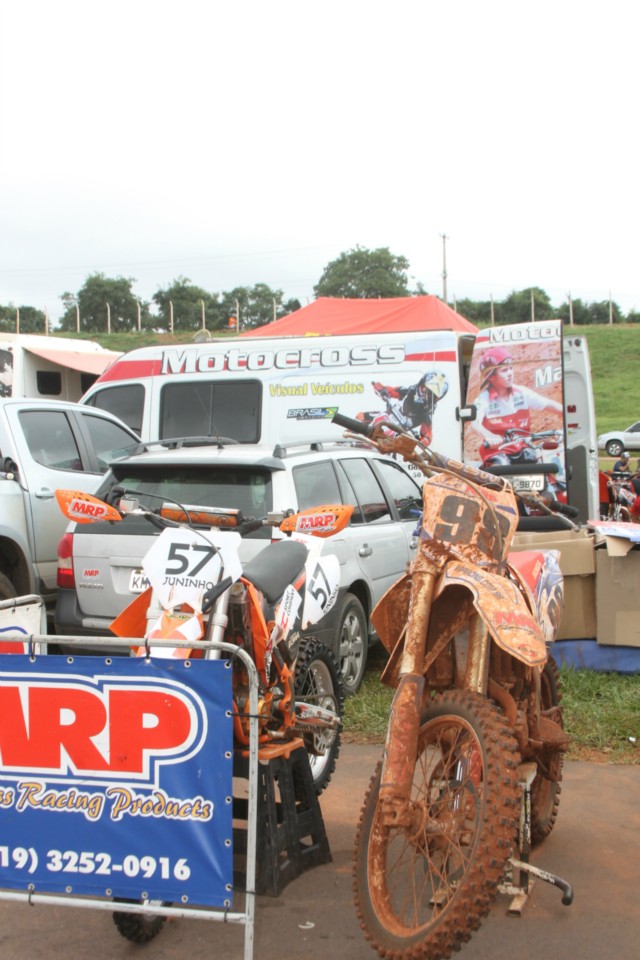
(503, 609)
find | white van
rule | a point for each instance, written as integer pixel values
(285, 390)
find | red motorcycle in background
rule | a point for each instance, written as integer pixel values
(475, 737)
(524, 457)
(620, 503)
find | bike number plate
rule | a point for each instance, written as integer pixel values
(527, 484)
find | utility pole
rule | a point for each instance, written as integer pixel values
(204, 326)
(108, 318)
(170, 316)
(444, 266)
(493, 313)
(533, 306)
(237, 316)
(570, 309)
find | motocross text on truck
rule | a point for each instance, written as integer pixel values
(191, 361)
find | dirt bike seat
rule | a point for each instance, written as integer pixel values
(275, 567)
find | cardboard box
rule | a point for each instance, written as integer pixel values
(578, 565)
(618, 597)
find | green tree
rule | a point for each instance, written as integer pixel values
(91, 301)
(31, 319)
(475, 311)
(258, 305)
(599, 312)
(580, 311)
(516, 308)
(187, 301)
(365, 274)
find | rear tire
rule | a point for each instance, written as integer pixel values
(318, 681)
(545, 789)
(614, 448)
(138, 927)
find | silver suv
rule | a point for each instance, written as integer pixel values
(99, 567)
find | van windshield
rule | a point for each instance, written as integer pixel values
(201, 408)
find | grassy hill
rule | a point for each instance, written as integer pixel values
(614, 353)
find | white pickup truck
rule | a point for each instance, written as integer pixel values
(46, 445)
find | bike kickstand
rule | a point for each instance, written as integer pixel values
(520, 892)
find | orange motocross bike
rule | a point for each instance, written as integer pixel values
(476, 705)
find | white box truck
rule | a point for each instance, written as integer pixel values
(285, 390)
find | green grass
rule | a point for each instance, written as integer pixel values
(615, 360)
(601, 712)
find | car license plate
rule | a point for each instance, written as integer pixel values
(531, 484)
(138, 582)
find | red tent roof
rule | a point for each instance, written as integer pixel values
(328, 315)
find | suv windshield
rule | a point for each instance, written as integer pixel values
(243, 488)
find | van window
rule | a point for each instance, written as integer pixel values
(210, 408)
(49, 383)
(126, 403)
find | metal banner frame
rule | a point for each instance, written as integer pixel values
(246, 918)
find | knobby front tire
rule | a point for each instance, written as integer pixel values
(421, 890)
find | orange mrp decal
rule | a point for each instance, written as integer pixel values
(83, 508)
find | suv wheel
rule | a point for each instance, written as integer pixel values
(352, 643)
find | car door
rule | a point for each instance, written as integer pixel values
(58, 454)
(377, 538)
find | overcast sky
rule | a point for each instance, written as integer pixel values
(252, 141)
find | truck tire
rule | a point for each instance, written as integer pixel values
(7, 589)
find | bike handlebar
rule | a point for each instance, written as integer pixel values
(354, 426)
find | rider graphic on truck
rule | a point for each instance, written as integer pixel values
(417, 402)
(502, 404)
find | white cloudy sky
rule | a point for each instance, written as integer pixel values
(243, 141)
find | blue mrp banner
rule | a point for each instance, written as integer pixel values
(116, 778)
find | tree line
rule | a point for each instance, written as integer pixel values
(110, 303)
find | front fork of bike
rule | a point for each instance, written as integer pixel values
(401, 746)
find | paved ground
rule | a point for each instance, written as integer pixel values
(595, 845)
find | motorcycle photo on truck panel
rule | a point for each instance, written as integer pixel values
(515, 387)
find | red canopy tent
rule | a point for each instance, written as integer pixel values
(329, 315)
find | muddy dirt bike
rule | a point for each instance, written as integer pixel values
(199, 592)
(477, 697)
(525, 458)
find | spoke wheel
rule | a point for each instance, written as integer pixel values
(422, 888)
(545, 789)
(317, 681)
